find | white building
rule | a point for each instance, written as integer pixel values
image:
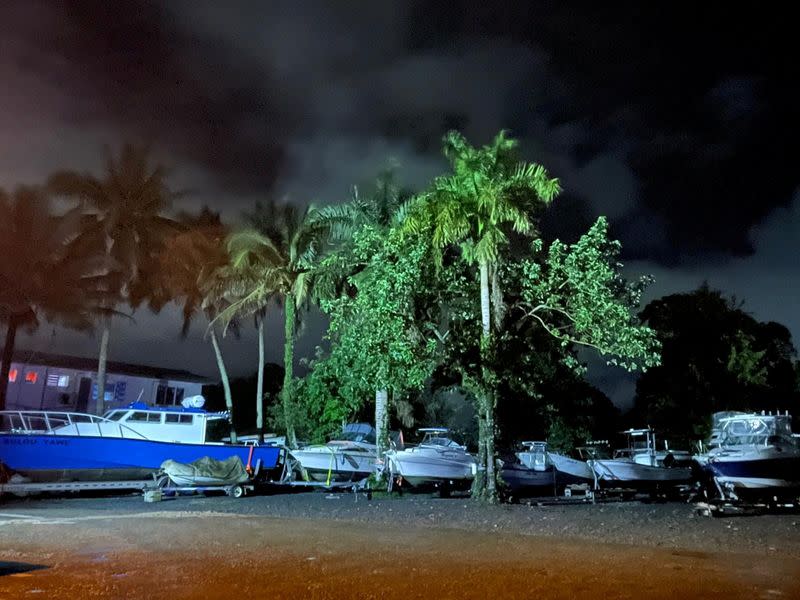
(39, 381)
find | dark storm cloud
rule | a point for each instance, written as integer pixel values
(129, 67)
(679, 124)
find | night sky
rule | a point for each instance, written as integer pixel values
(679, 124)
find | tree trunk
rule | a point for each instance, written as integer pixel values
(260, 382)
(99, 407)
(382, 422)
(288, 360)
(491, 479)
(485, 305)
(8, 355)
(226, 386)
(496, 295)
(487, 488)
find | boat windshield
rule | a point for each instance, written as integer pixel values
(356, 436)
(115, 415)
(440, 441)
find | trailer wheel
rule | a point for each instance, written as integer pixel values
(237, 491)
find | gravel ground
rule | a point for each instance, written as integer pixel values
(667, 525)
(318, 545)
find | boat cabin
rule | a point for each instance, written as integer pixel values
(535, 456)
(173, 424)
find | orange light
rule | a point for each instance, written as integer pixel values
(31, 377)
(12, 375)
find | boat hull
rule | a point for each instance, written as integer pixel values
(522, 481)
(757, 475)
(630, 473)
(418, 468)
(335, 465)
(571, 468)
(50, 458)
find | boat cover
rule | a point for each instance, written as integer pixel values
(206, 471)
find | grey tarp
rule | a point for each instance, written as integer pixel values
(206, 471)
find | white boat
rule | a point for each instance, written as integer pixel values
(751, 454)
(640, 465)
(348, 457)
(437, 459)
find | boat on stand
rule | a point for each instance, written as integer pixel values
(129, 443)
(640, 466)
(437, 460)
(751, 456)
(536, 471)
(349, 456)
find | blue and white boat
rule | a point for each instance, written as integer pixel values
(751, 455)
(124, 444)
(536, 471)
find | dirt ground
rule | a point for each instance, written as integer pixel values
(330, 546)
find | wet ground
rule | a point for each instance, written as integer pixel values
(317, 545)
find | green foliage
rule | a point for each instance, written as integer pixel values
(562, 437)
(376, 336)
(578, 295)
(745, 362)
(488, 189)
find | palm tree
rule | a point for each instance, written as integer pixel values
(187, 270)
(127, 205)
(47, 270)
(488, 192)
(380, 209)
(275, 257)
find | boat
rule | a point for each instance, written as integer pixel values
(350, 456)
(751, 455)
(535, 471)
(437, 460)
(128, 443)
(640, 465)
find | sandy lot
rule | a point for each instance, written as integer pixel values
(316, 545)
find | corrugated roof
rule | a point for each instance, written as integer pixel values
(81, 363)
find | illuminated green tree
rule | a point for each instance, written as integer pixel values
(381, 336)
(488, 193)
(577, 295)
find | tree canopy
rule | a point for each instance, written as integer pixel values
(715, 357)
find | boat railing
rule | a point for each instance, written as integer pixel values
(50, 422)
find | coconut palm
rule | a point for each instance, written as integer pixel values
(275, 257)
(47, 270)
(488, 192)
(127, 206)
(185, 271)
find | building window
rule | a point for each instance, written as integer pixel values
(56, 380)
(12, 376)
(108, 396)
(31, 377)
(168, 395)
